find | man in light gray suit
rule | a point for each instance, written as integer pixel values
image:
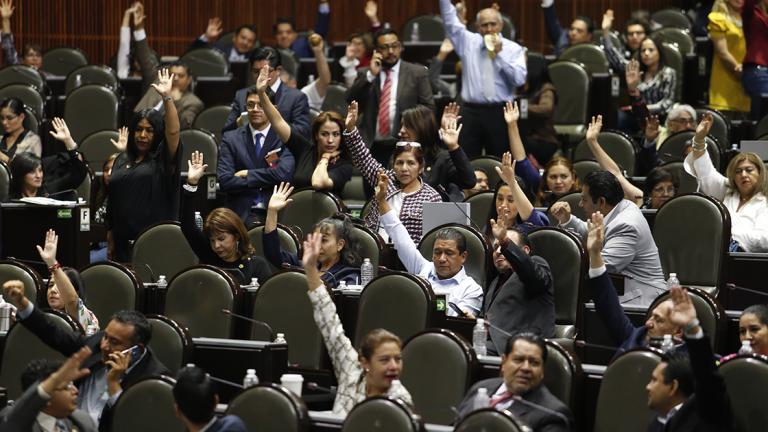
(50, 400)
(629, 248)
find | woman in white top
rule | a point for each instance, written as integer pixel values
(375, 368)
(742, 192)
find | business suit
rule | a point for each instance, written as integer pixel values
(237, 152)
(538, 420)
(413, 89)
(292, 104)
(630, 250)
(228, 423)
(525, 301)
(68, 342)
(22, 416)
(224, 46)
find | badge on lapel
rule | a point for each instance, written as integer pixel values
(272, 157)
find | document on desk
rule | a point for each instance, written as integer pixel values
(48, 202)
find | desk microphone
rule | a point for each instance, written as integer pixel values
(734, 287)
(151, 273)
(250, 320)
(584, 344)
(223, 381)
(316, 386)
(542, 408)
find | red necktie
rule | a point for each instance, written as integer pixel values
(500, 398)
(386, 93)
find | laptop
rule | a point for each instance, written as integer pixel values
(441, 213)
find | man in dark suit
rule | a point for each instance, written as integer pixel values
(120, 356)
(196, 400)
(292, 104)
(237, 50)
(49, 400)
(522, 297)
(252, 159)
(519, 389)
(390, 83)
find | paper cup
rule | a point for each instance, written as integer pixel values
(293, 382)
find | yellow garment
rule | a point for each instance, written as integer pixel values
(725, 90)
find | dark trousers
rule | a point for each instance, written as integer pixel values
(484, 127)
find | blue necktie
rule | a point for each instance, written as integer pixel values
(258, 139)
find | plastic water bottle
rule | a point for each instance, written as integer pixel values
(746, 348)
(280, 338)
(479, 337)
(415, 32)
(5, 315)
(250, 379)
(311, 78)
(255, 283)
(667, 344)
(366, 271)
(162, 283)
(342, 285)
(78, 81)
(673, 280)
(199, 221)
(481, 400)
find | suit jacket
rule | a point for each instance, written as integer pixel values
(188, 106)
(629, 249)
(221, 45)
(67, 343)
(292, 104)
(413, 89)
(608, 308)
(237, 152)
(524, 302)
(22, 416)
(228, 423)
(538, 420)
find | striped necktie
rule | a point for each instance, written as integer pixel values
(386, 94)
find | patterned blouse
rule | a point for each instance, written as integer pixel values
(346, 367)
(411, 210)
(658, 93)
(84, 315)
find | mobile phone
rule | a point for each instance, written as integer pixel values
(456, 309)
(135, 352)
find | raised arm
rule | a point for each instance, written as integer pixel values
(123, 62)
(67, 291)
(407, 250)
(323, 69)
(278, 201)
(699, 164)
(507, 173)
(10, 55)
(631, 192)
(460, 171)
(511, 116)
(282, 128)
(197, 240)
(172, 124)
(61, 132)
(454, 28)
(144, 55)
(361, 156)
(6, 11)
(536, 277)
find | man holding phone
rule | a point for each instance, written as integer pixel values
(120, 355)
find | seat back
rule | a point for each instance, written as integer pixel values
(202, 141)
(572, 81)
(91, 74)
(584, 167)
(709, 312)
(31, 120)
(489, 419)
(696, 248)
(91, 108)
(161, 249)
(5, 182)
(681, 37)
(195, 298)
(573, 201)
(206, 62)
(381, 414)
(354, 191)
(309, 207)
(672, 17)
(488, 164)
(33, 284)
(97, 147)
(26, 93)
(22, 74)
(212, 119)
(282, 302)
(289, 242)
(591, 56)
(674, 59)
(762, 127)
(672, 149)
(480, 207)
(109, 287)
(22, 346)
(688, 182)
(83, 190)
(617, 145)
(440, 365)
(335, 99)
(721, 127)
(430, 29)
(397, 301)
(746, 378)
(369, 243)
(171, 343)
(63, 60)
(567, 259)
(622, 400)
(147, 405)
(270, 407)
(476, 264)
(563, 375)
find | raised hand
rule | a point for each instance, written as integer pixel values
(450, 112)
(60, 130)
(6, 9)
(499, 229)
(13, 293)
(446, 48)
(632, 74)
(461, 11)
(195, 168)
(607, 21)
(595, 234)
(213, 31)
(351, 122)
(683, 312)
(449, 133)
(48, 251)
(280, 196)
(593, 131)
(311, 251)
(316, 42)
(382, 186)
(375, 66)
(561, 211)
(652, 127)
(138, 15)
(165, 82)
(703, 128)
(511, 112)
(70, 370)
(372, 11)
(262, 81)
(122, 139)
(507, 170)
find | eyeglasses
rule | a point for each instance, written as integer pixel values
(407, 144)
(663, 190)
(394, 46)
(682, 120)
(747, 170)
(252, 107)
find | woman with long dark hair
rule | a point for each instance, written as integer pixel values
(16, 138)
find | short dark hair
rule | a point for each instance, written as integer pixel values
(249, 27)
(529, 337)
(641, 22)
(267, 53)
(38, 370)
(522, 235)
(606, 185)
(31, 47)
(455, 235)
(181, 63)
(383, 32)
(195, 394)
(283, 20)
(758, 310)
(142, 330)
(679, 368)
(75, 278)
(588, 21)
(658, 175)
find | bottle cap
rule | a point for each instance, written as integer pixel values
(673, 275)
(250, 372)
(480, 321)
(281, 335)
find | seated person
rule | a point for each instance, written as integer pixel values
(629, 247)
(120, 356)
(636, 30)
(753, 327)
(49, 399)
(195, 400)
(446, 270)
(522, 374)
(681, 117)
(580, 31)
(339, 258)
(522, 296)
(31, 54)
(284, 31)
(372, 370)
(650, 79)
(480, 186)
(16, 138)
(224, 240)
(237, 50)
(559, 180)
(660, 186)
(357, 55)
(65, 287)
